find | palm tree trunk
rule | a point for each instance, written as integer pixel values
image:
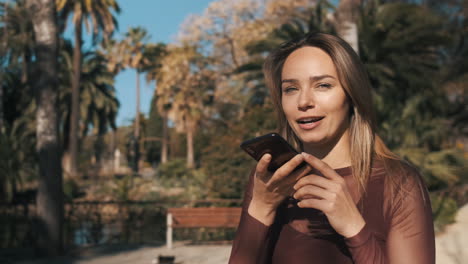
(190, 149)
(75, 111)
(137, 117)
(3, 52)
(1, 104)
(137, 124)
(49, 195)
(164, 147)
(347, 28)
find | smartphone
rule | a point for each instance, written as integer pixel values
(279, 149)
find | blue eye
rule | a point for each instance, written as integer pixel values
(289, 89)
(324, 85)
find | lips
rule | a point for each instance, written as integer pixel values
(306, 120)
(309, 122)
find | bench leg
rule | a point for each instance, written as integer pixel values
(169, 231)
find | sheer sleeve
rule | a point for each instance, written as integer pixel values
(411, 233)
(254, 241)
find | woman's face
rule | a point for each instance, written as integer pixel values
(315, 104)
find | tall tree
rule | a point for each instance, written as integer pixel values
(3, 51)
(187, 93)
(154, 54)
(50, 194)
(99, 104)
(133, 56)
(346, 19)
(402, 47)
(99, 13)
(16, 111)
(16, 44)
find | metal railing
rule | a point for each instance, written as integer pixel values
(109, 222)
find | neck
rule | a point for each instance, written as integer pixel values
(336, 154)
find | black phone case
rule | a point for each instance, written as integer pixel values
(279, 149)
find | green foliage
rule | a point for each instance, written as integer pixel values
(123, 187)
(175, 174)
(403, 47)
(98, 99)
(71, 190)
(441, 169)
(18, 161)
(174, 170)
(226, 165)
(444, 211)
(154, 129)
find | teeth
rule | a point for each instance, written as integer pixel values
(309, 120)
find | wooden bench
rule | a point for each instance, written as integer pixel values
(214, 217)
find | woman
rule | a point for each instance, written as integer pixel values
(355, 202)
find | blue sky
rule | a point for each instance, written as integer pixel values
(161, 18)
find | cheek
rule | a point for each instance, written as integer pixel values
(286, 107)
(336, 104)
(342, 109)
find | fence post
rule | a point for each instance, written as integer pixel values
(169, 231)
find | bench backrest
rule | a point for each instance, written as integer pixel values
(205, 217)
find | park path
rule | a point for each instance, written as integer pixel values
(452, 245)
(451, 248)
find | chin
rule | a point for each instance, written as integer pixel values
(311, 139)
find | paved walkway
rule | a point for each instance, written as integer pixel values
(451, 248)
(452, 245)
(184, 253)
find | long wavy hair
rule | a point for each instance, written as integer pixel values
(365, 144)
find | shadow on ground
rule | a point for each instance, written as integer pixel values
(72, 256)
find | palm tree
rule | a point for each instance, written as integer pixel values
(132, 54)
(99, 13)
(99, 104)
(185, 94)
(50, 194)
(401, 45)
(16, 112)
(16, 46)
(154, 53)
(3, 52)
(17, 154)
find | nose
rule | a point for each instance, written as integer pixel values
(305, 100)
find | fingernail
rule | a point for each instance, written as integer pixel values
(268, 157)
(305, 154)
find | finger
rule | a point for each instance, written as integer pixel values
(322, 205)
(301, 171)
(313, 179)
(262, 165)
(286, 169)
(321, 166)
(312, 191)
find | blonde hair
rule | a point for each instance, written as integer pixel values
(365, 145)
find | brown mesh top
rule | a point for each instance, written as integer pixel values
(397, 230)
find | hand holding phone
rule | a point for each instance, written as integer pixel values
(275, 145)
(270, 185)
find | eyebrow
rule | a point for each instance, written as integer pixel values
(312, 78)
